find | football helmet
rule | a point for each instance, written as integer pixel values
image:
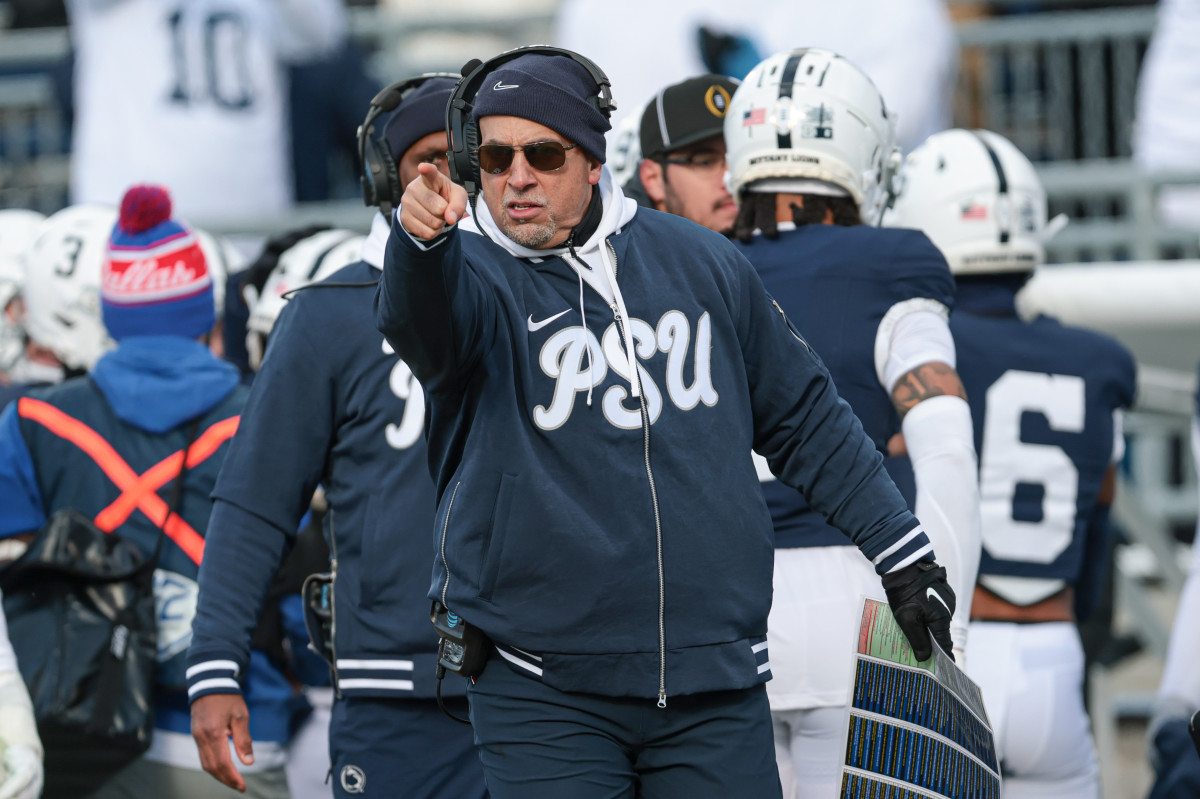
(18, 228)
(811, 122)
(222, 259)
(309, 260)
(62, 285)
(978, 198)
(625, 154)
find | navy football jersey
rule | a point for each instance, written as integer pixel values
(1042, 399)
(836, 284)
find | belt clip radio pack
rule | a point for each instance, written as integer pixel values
(317, 593)
(462, 649)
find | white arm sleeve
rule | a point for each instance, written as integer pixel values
(17, 725)
(911, 333)
(1179, 692)
(941, 446)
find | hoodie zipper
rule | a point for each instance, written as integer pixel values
(662, 592)
(333, 569)
(445, 528)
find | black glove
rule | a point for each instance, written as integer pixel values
(922, 603)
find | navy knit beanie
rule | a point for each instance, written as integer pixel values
(422, 112)
(552, 90)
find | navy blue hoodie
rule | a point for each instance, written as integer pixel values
(612, 543)
(334, 406)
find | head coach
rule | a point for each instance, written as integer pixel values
(597, 376)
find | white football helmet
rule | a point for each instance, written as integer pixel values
(222, 259)
(18, 228)
(62, 286)
(811, 122)
(625, 154)
(979, 199)
(308, 261)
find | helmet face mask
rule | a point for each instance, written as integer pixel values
(815, 119)
(978, 198)
(62, 288)
(309, 260)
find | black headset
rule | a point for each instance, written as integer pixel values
(464, 130)
(380, 175)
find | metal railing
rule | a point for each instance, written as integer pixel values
(1060, 85)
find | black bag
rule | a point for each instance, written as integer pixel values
(82, 621)
(81, 617)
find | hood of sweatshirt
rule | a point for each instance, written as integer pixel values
(376, 241)
(157, 383)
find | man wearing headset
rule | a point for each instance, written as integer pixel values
(332, 405)
(597, 375)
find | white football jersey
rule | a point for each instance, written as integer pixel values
(191, 94)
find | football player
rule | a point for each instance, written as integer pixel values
(18, 229)
(207, 85)
(1046, 401)
(811, 153)
(64, 334)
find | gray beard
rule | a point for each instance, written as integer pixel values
(529, 235)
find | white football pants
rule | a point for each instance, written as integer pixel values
(1031, 676)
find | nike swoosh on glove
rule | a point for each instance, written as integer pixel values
(922, 603)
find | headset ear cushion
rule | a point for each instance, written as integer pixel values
(471, 135)
(471, 139)
(392, 185)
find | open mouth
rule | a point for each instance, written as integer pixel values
(523, 210)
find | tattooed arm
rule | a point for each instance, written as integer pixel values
(936, 422)
(933, 379)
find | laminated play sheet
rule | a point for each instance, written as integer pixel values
(918, 729)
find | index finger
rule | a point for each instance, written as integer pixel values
(434, 179)
(454, 195)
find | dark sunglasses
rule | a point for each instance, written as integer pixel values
(544, 156)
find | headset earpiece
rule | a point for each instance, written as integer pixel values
(380, 173)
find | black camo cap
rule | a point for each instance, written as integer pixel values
(685, 113)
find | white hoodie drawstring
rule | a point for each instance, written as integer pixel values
(586, 346)
(619, 210)
(635, 381)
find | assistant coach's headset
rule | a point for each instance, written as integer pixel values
(463, 129)
(380, 173)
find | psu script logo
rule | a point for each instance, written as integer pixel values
(565, 358)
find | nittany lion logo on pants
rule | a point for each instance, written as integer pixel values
(353, 779)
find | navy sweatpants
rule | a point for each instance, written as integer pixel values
(392, 748)
(537, 742)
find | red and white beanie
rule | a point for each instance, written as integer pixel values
(155, 281)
